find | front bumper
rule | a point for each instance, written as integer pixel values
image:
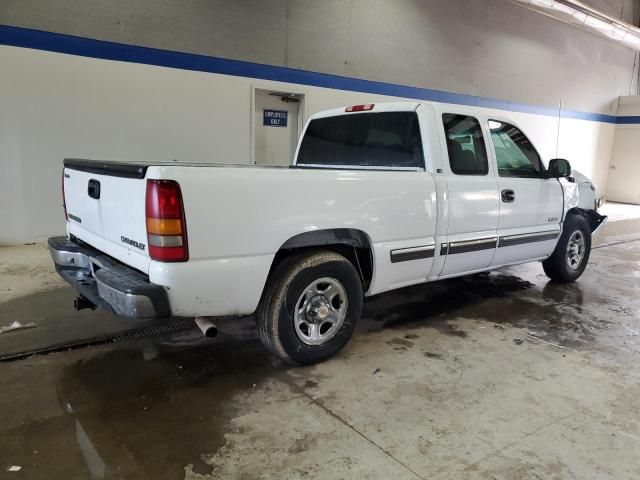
(107, 283)
(596, 221)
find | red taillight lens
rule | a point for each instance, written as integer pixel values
(166, 226)
(360, 108)
(64, 201)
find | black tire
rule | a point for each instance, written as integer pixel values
(286, 284)
(557, 266)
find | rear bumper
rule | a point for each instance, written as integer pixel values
(107, 283)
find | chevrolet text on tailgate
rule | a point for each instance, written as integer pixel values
(378, 197)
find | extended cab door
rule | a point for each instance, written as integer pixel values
(471, 199)
(531, 204)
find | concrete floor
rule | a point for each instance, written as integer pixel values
(498, 376)
(620, 211)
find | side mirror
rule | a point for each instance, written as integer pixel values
(559, 168)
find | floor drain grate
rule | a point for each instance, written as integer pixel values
(169, 327)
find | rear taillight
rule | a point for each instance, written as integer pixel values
(64, 201)
(166, 226)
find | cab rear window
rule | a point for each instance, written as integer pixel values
(378, 140)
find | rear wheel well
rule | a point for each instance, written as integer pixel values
(352, 244)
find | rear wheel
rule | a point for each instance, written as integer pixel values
(571, 255)
(310, 307)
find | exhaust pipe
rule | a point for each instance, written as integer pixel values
(80, 303)
(206, 326)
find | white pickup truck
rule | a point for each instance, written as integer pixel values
(378, 197)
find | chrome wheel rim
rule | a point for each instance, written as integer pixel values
(575, 250)
(320, 311)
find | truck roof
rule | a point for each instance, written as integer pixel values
(407, 107)
(377, 107)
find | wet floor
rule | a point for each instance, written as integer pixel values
(137, 411)
(53, 321)
(501, 375)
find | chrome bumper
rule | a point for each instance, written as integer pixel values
(106, 282)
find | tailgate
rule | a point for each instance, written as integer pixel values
(105, 204)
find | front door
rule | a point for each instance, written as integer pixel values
(471, 199)
(275, 127)
(530, 204)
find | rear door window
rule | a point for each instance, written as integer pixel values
(465, 144)
(378, 140)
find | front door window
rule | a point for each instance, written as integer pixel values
(515, 154)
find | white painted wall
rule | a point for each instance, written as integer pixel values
(490, 48)
(624, 177)
(54, 106)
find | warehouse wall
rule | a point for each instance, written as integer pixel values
(624, 178)
(54, 105)
(490, 48)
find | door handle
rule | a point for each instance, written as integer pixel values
(508, 196)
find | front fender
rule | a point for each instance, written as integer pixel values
(579, 193)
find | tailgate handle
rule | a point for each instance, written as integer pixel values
(94, 189)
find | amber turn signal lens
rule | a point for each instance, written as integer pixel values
(161, 226)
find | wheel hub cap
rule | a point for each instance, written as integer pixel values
(320, 311)
(317, 309)
(575, 250)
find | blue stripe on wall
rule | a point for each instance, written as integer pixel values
(628, 120)
(68, 44)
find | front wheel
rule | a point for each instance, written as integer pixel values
(571, 255)
(310, 307)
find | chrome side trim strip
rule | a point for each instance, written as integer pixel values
(412, 253)
(512, 240)
(475, 245)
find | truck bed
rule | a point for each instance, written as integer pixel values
(238, 217)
